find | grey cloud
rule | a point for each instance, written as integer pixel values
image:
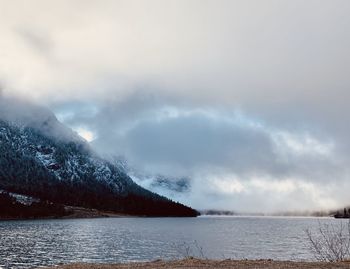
(28, 114)
(37, 40)
(195, 140)
(207, 144)
(183, 140)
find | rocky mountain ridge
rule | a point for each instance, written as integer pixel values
(43, 158)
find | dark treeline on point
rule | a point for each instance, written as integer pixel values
(345, 214)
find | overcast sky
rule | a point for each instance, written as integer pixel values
(249, 99)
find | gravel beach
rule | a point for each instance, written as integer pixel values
(225, 264)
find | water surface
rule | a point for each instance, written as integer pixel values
(28, 244)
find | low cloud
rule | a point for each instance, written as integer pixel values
(233, 159)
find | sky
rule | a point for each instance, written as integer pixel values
(248, 99)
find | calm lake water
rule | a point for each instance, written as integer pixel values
(28, 244)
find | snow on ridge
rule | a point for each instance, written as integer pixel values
(66, 161)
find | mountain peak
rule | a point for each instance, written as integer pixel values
(26, 114)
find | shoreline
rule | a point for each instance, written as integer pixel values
(217, 264)
(74, 213)
(84, 213)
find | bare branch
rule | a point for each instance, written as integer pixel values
(331, 242)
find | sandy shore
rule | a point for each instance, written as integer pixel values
(194, 263)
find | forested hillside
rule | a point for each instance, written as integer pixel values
(64, 170)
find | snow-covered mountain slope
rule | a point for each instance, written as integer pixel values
(69, 161)
(39, 156)
(159, 183)
(167, 185)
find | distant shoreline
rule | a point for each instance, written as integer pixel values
(224, 264)
(86, 213)
(271, 214)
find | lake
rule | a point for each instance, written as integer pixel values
(28, 244)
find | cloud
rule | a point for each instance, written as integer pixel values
(224, 52)
(211, 89)
(234, 160)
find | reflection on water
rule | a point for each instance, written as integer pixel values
(28, 244)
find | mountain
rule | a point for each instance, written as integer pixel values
(42, 158)
(153, 181)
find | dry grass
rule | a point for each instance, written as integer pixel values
(196, 263)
